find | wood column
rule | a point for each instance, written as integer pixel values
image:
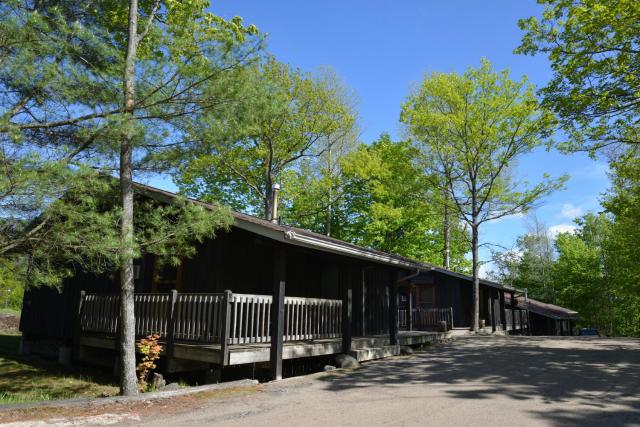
(347, 298)
(277, 312)
(513, 313)
(410, 319)
(364, 302)
(393, 312)
(503, 311)
(492, 308)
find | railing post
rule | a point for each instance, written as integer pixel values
(226, 327)
(346, 319)
(277, 313)
(171, 323)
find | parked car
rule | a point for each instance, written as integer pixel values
(589, 332)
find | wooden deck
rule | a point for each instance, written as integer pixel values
(363, 348)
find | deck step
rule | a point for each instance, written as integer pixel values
(368, 342)
(372, 353)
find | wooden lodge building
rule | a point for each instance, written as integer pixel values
(263, 292)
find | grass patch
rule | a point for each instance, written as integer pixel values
(29, 379)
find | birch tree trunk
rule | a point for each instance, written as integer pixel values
(128, 379)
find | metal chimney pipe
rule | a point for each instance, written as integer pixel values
(275, 189)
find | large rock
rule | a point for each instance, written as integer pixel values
(406, 350)
(346, 361)
(158, 381)
(329, 368)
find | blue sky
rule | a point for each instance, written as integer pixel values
(381, 48)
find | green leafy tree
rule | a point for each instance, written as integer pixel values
(593, 49)
(313, 192)
(86, 84)
(387, 204)
(473, 127)
(288, 117)
(588, 278)
(530, 264)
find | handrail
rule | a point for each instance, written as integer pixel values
(426, 317)
(216, 318)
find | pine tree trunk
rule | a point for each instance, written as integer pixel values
(128, 380)
(475, 319)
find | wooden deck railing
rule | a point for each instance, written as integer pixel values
(426, 318)
(100, 313)
(206, 318)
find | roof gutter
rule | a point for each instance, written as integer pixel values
(410, 276)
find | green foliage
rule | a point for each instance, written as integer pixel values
(11, 285)
(471, 129)
(588, 276)
(61, 119)
(593, 49)
(288, 116)
(388, 204)
(530, 264)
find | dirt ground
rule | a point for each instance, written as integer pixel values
(483, 381)
(9, 322)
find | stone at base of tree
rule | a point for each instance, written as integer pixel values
(328, 368)
(346, 361)
(170, 386)
(406, 350)
(158, 381)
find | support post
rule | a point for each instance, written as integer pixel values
(410, 315)
(364, 302)
(492, 308)
(346, 317)
(171, 323)
(277, 313)
(513, 313)
(225, 316)
(451, 312)
(77, 331)
(393, 313)
(503, 311)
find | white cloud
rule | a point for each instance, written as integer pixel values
(571, 211)
(554, 230)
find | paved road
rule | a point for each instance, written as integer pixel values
(483, 381)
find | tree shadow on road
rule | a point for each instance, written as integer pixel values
(602, 377)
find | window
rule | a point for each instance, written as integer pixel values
(427, 297)
(166, 276)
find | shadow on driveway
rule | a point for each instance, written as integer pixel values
(599, 378)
